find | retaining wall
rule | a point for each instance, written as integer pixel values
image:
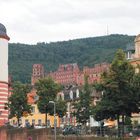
(43, 134)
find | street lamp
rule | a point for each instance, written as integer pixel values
(54, 119)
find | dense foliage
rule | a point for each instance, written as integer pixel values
(83, 107)
(47, 91)
(120, 91)
(18, 102)
(88, 51)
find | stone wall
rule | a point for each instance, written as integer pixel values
(3, 134)
(43, 134)
(28, 134)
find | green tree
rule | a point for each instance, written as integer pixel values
(47, 90)
(18, 102)
(137, 81)
(61, 108)
(120, 97)
(83, 106)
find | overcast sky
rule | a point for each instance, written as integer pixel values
(32, 21)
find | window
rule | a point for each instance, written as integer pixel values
(39, 122)
(20, 121)
(26, 121)
(62, 120)
(33, 109)
(33, 121)
(36, 98)
(48, 122)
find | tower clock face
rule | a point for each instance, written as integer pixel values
(3, 60)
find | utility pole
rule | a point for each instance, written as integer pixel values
(54, 119)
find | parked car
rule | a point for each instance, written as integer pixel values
(69, 130)
(39, 126)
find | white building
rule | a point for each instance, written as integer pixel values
(3, 74)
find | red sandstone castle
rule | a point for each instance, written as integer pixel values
(70, 73)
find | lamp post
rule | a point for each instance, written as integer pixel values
(54, 119)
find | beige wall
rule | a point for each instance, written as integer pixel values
(3, 60)
(36, 116)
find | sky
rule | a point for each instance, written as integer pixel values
(32, 21)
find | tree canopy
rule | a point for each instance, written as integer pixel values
(120, 90)
(47, 91)
(18, 102)
(61, 108)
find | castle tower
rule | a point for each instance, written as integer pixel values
(137, 46)
(37, 73)
(3, 74)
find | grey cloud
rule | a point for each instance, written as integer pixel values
(55, 13)
(48, 18)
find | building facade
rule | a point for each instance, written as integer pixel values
(3, 74)
(66, 74)
(72, 78)
(36, 118)
(135, 61)
(133, 53)
(70, 74)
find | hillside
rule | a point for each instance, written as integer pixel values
(86, 52)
